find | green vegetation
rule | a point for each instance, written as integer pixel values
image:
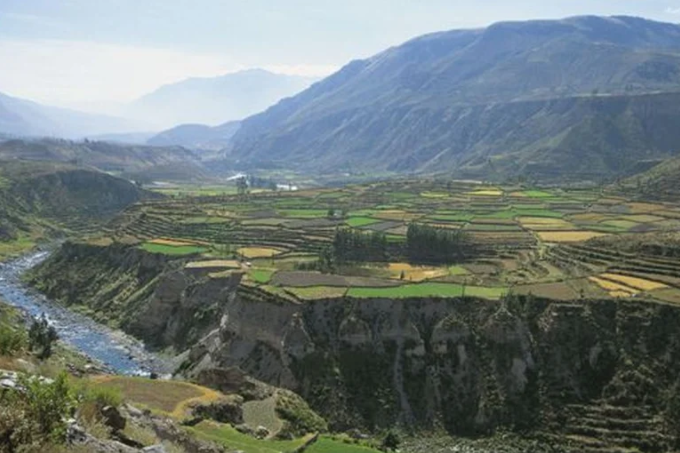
(357, 222)
(173, 249)
(333, 445)
(428, 290)
(41, 338)
(229, 437)
(261, 275)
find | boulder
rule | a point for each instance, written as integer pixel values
(261, 432)
(113, 418)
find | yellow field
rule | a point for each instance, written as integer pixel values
(486, 193)
(568, 236)
(615, 289)
(635, 282)
(542, 223)
(212, 264)
(395, 214)
(258, 252)
(416, 273)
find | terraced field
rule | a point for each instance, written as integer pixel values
(526, 240)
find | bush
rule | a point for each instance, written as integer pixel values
(11, 341)
(35, 415)
(93, 399)
(41, 338)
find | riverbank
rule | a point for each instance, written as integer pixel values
(116, 351)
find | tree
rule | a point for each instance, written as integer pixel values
(41, 338)
(428, 244)
(331, 213)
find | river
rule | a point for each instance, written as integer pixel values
(116, 351)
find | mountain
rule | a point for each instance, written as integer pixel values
(197, 136)
(144, 163)
(580, 97)
(19, 117)
(216, 100)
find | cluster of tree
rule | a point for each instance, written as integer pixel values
(351, 245)
(428, 244)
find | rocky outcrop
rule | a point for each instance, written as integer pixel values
(470, 366)
(147, 295)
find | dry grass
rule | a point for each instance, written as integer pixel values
(416, 273)
(170, 397)
(395, 214)
(486, 193)
(614, 289)
(635, 282)
(213, 264)
(258, 252)
(644, 208)
(643, 218)
(568, 236)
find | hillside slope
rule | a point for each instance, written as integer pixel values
(38, 199)
(660, 182)
(131, 161)
(537, 96)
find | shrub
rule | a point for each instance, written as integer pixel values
(11, 341)
(41, 338)
(34, 415)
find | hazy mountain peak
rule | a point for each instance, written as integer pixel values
(216, 100)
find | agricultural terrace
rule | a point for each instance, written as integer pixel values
(548, 242)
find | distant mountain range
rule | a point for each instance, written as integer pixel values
(19, 117)
(582, 97)
(215, 100)
(209, 101)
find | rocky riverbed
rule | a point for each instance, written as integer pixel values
(116, 351)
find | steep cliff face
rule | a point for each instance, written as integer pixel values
(588, 373)
(468, 366)
(148, 295)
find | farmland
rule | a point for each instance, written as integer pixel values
(525, 240)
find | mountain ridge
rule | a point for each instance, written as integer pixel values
(385, 110)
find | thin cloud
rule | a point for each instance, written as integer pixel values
(305, 70)
(74, 71)
(672, 10)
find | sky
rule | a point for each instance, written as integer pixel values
(81, 53)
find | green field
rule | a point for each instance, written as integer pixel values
(173, 250)
(261, 275)
(427, 290)
(361, 221)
